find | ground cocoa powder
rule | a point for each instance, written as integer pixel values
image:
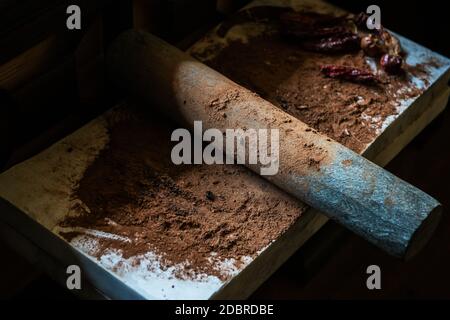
(183, 213)
(289, 77)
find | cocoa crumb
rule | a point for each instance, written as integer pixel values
(347, 162)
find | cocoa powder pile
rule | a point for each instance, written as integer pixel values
(289, 77)
(198, 215)
(182, 213)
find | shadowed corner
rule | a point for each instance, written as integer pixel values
(7, 125)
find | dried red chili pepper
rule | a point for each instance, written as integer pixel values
(391, 63)
(372, 45)
(376, 41)
(380, 42)
(327, 33)
(391, 43)
(350, 74)
(312, 19)
(361, 20)
(309, 25)
(322, 32)
(253, 14)
(338, 43)
(312, 33)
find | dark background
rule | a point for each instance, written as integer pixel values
(333, 263)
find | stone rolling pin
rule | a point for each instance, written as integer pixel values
(346, 187)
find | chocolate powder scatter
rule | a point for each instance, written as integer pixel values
(132, 190)
(185, 213)
(421, 70)
(289, 77)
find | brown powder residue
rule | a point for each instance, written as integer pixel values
(422, 70)
(347, 162)
(315, 155)
(238, 108)
(183, 213)
(290, 78)
(221, 102)
(219, 105)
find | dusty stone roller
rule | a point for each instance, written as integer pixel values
(346, 187)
